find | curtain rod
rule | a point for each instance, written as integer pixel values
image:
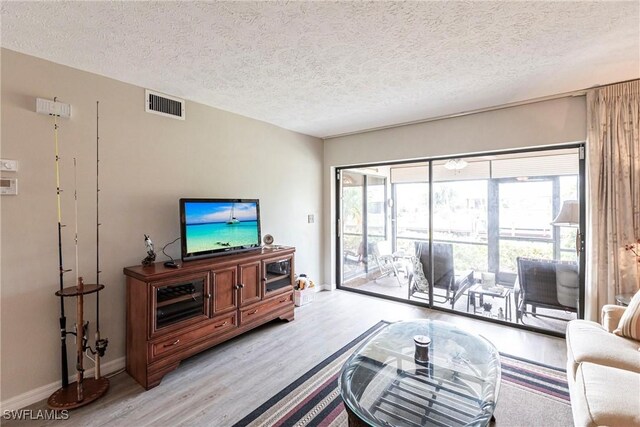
(579, 92)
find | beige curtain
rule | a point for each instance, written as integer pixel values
(613, 193)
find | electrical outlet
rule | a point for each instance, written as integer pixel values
(310, 219)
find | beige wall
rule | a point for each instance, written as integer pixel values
(543, 123)
(147, 163)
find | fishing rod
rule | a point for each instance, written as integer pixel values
(62, 271)
(100, 344)
(80, 335)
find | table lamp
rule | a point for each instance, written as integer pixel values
(567, 277)
(569, 216)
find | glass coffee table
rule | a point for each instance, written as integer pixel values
(393, 379)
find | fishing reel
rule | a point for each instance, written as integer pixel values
(101, 346)
(85, 333)
(85, 329)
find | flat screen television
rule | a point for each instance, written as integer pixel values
(211, 227)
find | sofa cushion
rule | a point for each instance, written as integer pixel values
(567, 283)
(629, 325)
(420, 282)
(589, 342)
(605, 396)
(611, 315)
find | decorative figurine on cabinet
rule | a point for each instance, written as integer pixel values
(151, 255)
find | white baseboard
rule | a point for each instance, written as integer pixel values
(40, 393)
(327, 287)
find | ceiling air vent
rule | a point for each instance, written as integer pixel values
(165, 105)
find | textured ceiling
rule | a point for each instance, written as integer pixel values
(326, 68)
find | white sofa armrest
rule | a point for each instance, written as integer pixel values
(611, 315)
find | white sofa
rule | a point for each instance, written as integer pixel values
(603, 371)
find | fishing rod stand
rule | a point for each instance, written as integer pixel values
(84, 390)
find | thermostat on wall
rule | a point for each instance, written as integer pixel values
(8, 186)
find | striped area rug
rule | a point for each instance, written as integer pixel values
(314, 398)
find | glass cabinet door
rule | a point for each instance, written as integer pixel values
(277, 276)
(180, 302)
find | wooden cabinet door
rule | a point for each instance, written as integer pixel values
(250, 283)
(225, 290)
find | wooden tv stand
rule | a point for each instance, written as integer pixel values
(175, 313)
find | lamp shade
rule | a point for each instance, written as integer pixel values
(569, 215)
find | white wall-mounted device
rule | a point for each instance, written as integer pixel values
(51, 108)
(8, 186)
(7, 165)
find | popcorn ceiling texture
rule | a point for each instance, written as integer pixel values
(325, 68)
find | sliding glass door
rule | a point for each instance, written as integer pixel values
(524, 218)
(411, 222)
(363, 228)
(484, 235)
(354, 255)
(376, 220)
(460, 220)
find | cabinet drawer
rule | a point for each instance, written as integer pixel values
(259, 310)
(217, 326)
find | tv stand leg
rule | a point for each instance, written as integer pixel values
(288, 317)
(154, 378)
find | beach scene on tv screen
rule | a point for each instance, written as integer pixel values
(212, 226)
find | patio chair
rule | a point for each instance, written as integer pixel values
(388, 262)
(444, 277)
(545, 283)
(351, 258)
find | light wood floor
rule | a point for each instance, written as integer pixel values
(221, 385)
